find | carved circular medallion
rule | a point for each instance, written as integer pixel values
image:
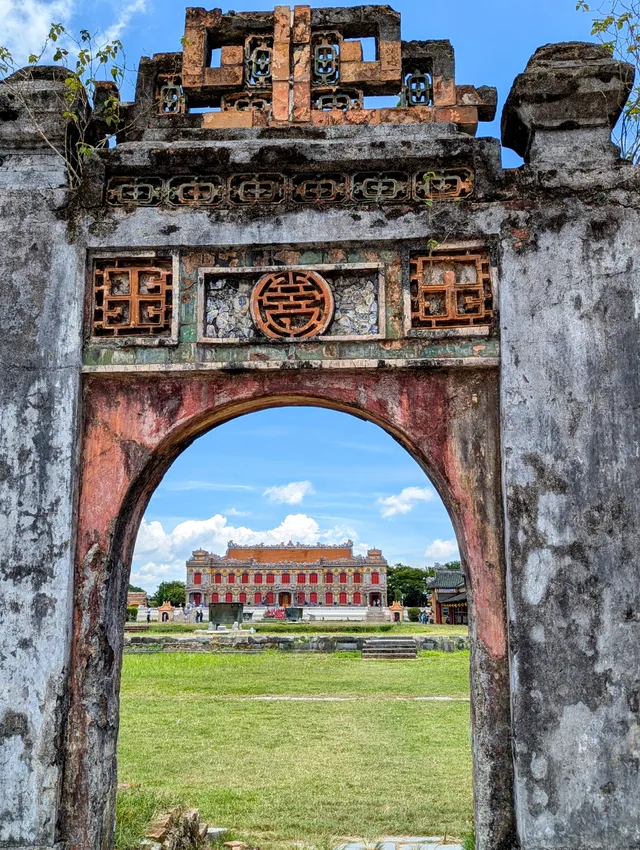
(292, 304)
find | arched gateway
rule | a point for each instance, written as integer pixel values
(289, 245)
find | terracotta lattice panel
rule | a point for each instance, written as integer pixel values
(292, 304)
(328, 188)
(132, 298)
(451, 290)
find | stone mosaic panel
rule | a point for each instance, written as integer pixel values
(228, 295)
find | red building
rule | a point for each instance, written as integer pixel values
(288, 575)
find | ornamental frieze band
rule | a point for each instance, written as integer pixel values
(265, 188)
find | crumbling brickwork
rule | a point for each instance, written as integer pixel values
(486, 318)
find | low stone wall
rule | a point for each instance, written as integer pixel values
(251, 643)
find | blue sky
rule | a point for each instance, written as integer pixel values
(303, 473)
(306, 474)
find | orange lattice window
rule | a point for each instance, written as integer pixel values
(451, 290)
(132, 298)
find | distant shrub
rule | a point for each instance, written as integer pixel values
(386, 627)
(414, 615)
(132, 613)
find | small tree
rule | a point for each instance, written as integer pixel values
(174, 592)
(407, 584)
(617, 27)
(91, 74)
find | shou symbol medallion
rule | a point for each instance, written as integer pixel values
(292, 304)
(329, 188)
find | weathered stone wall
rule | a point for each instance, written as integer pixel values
(570, 329)
(41, 305)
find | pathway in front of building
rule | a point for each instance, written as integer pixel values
(403, 843)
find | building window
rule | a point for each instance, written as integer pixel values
(313, 598)
(257, 598)
(245, 578)
(343, 598)
(214, 597)
(257, 578)
(301, 597)
(271, 579)
(270, 598)
(375, 578)
(329, 579)
(228, 597)
(343, 578)
(286, 578)
(328, 598)
(197, 578)
(300, 578)
(243, 597)
(218, 578)
(231, 578)
(313, 578)
(357, 599)
(356, 578)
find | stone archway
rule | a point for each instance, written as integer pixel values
(134, 428)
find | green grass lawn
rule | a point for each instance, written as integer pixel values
(275, 772)
(279, 627)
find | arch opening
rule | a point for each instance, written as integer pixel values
(146, 449)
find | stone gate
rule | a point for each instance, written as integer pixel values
(266, 234)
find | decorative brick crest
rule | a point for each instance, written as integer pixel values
(451, 290)
(132, 298)
(292, 304)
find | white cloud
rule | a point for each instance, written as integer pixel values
(160, 555)
(236, 512)
(125, 13)
(24, 25)
(289, 494)
(404, 501)
(442, 549)
(179, 486)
